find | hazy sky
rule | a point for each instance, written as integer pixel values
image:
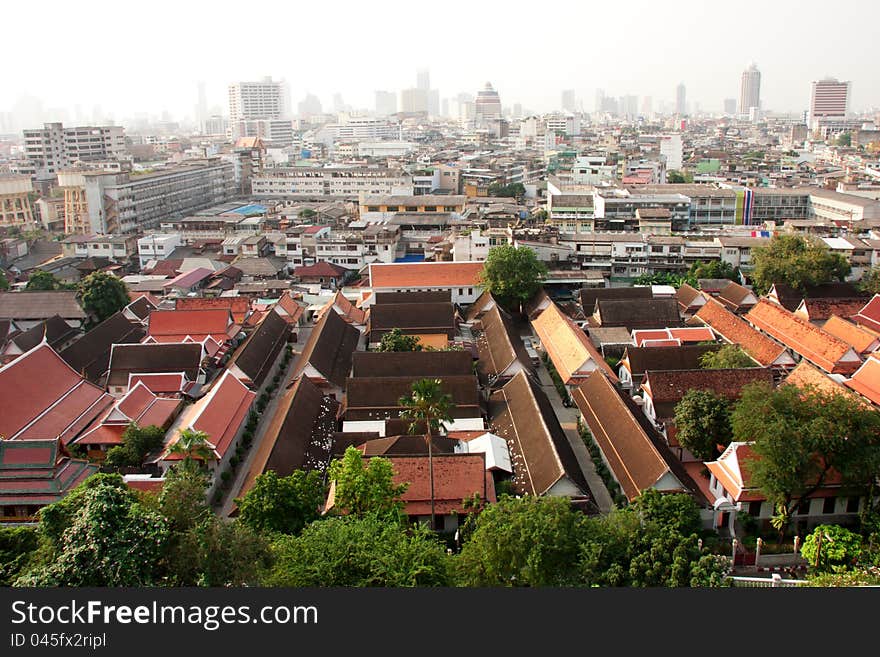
(129, 57)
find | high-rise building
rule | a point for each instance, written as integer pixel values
(488, 105)
(647, 107)
(730, 106)
(568, 100)
(423, 79)
(414, 100)
(386, 103)
(264, 99)
(750, 90)
(201, 107)
(54, 147)
(309, 106)
(680, 99)
(600, 100)
(829, 98)
(671, 148)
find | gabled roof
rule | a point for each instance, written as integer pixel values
(814, 344)
(866, 380)
(40, 305)
(139, 405)
(499, 345)
(321, 268)
(817, 310)
(55, 331)
(299, 436)
(667, 387)
(369, 398)
(637, 313)
(790, 298)
(189, 278)
(90, 355)
(869, 315)
(859, 339)
(151, 358)
(762, 349)
(483, 303)
(632, 455)
(340, 304)
(685, 357)
(806, 374)
(589, 295)
(571, 351)
(175, 325)
(256, 355)
(37, 472)
(289, 309)
(239, 307)
(732, 472)
(539, 449)
(689, 298)
(329, 349)
(411, 318)
(737, 297)
(142, 306)
(683, 335)
(425, 274)
(408, 445)
(457, 477)
(428, 296)
(419, 364)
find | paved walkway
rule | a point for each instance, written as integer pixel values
(568, 419)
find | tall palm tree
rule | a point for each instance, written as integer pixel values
(193, 444)
(429, 404)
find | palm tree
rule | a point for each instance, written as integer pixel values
(193, 444)
(429, 404)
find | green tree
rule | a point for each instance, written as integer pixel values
(800, 436)
(678, 513)
(730, 356)
(512, 275)
(675, 177)
(844, 139)
(847, 578)
(363, 489)
(111, 541)
(664, 278)
(528, 541)
(307, 213)
(103, 294)
(427, 405)
(282, 504)
(797, 261)
(4, 282)
(183, 498)
(368, 551)
(40, 281)
(395, 340)
(712, 269)
(702, 423)
(513, 190)
(17, 548)
(137, 442)
(830, 547)
(193, 445)
(870, 281)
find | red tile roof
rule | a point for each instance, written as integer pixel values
(38, 472)
(425, 274)
(238, 306)
(319, 269)
(189, 278)
(735, 330)
(160, 383)
(814, 310)
(456, 478)
(732, 472)
(682, 335)
(806, 374)
(821, 348)
(869, 315)
(866, 381)
(175, 325)
(858, 338)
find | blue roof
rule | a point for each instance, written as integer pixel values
(250, 209)
(412, 257)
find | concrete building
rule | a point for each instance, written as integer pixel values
(680, 99)
(568, 101)
(750, 90)
(487, 106)
(829, 99)
(264, 99)
(671, 147)
(102, 203)
(157, 246)
(16, 208)
(54, 147)
(413, 101)
(357, 128)
(331, 181)
(386, 103)
(730, 106)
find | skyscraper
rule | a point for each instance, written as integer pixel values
(386, 103)
(730, 106)
(828, 98)
(680, 99)
(258, 100)
(488, 104)
(750, 90)
(568, 100)
(201, 107)
(423, 79)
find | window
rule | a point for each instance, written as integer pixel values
(828, 504)
(852, 505)
(461, 291)
(470, 290)
(754, 509)
(372, 208)
(803, 508)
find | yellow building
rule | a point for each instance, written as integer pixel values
(16, 208)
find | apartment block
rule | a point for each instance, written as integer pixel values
(54, 147)
(16, 208)
(331, 181)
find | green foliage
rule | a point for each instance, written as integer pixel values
(111, 540)
(282, 504)
(829, 546)
(395, 340)
(193, 445)
(678, 513)
(844, 139)
(664, 278)
(797, 261)
(512, 275)
(712, 269)
(352, 551)
(702, 421)
(529, 541)
(307, 213)
(730, 356)
(427, 404)
(56, 518)
(137, 442)
(183, 497)
(800, 436)
(103, 294)
(4, 282)
(837, 578)
(675, 177)
(41, 281)
(514, 190)
(17, 547)
(363, 489)
(870, 281)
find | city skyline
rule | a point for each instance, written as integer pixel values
(126, 86)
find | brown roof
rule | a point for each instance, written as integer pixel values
(814, 344)
(790, 298)
(499, 345)
(411, 318)
(478, 307)
(817, 310)
(128, 359)
(54, 330)
(371, 398)
(40, 305)
(539, 449)
(869, 316)
(589, 295)
(737, 297)
(299, 436)
(430, 296)
(142, 306)
(858, 338)
(685, 357)
(689, 297)
(737, 331)
(408, 445)
(329, 348)
(421, 364)
(258, 353)
(90, 355)
(637, 313)
(806, 374)
(631, 454)
(667, 387)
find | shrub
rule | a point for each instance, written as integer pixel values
(225, 476)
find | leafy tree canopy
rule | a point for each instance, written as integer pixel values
(830, 546)
(702, 422)
(797, 261)
(103, 294)
(517, 190)
(730, 356)
(870, 281)
(41, 281)
(4, 282)
(137, 443)
(282, 504)
(512, 275)
(712, 269)
(365, 488)
(17, 545)
(395, 340)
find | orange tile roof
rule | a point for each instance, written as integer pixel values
(568, 346)
(735, 330)
(456, 478)
(731, 471)
(682, 335)
(425, 274)
(198, 324)
(858, 338)
(869, 315)
(806, 374)
(238, 306)
(814, 310)
(821, 348)
(866, 381)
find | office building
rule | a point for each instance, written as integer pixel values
(487, 105)
(829, 99)
(750, 90)
(414, 100)
(331, 181)
(568, 100)
(386, 103)
(264, 99)
(53, 147)
(680, 99)
(671, 149)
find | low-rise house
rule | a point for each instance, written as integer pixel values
(461, 279)
(866, 380)
(790, 298)
(340, 304)
(638, 360)
(636, 313)
(501, 349)
(689, 299)
(34, 473)
(189, 282)
(543, 460)
(168, 358)
(27, 309)
(820, 348)
(54, 331)
(669, 337)
(191, 326)
(254, 359)
(327, 355)
(737, 298)
(90, 354)
(733, 329)
(868, 316)
(432, 323)
(142, 304)
(818, 311)
(589, 296)
(327, 274)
